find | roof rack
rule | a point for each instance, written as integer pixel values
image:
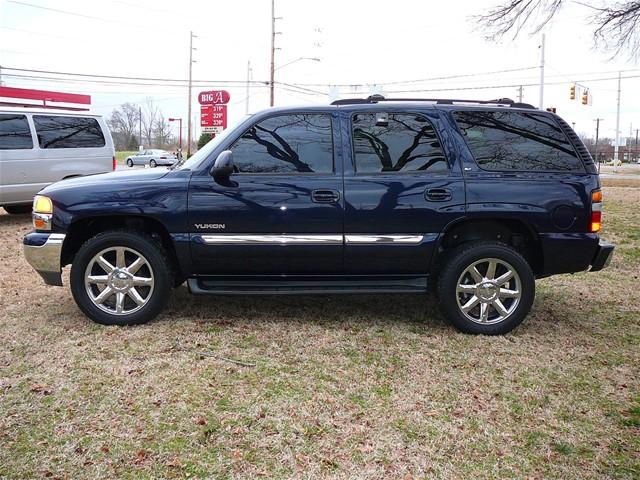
(440, 101)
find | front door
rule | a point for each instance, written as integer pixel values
(401, 189)
(281, 213)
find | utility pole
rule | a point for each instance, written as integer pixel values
(246, 108)
(636, 149)
(273, 50)
(596, 145)
(617, 146)
(541, 103)
(520, 94)
(191, 61)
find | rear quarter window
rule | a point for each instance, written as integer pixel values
(504, 141)
(68, 132)
(14, 132)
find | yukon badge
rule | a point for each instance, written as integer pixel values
(209, 226)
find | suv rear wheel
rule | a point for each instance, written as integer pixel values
(486, 288)
(120, 278)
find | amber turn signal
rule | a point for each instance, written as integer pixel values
(596, 196)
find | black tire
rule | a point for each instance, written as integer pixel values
(452, 272)
(129, 163)
(152, 163)
(141, 244)
(18, 209)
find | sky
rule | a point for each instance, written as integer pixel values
(357, 46)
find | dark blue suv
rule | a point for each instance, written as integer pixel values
(474, 200)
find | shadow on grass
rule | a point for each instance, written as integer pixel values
(311, 309)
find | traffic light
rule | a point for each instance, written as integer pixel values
(585, 97)
(572, 92)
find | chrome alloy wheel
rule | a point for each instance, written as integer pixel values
(119, 280)
(488, 291)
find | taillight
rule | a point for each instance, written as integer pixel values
(596, 211)
(113, 165)
(163, 158)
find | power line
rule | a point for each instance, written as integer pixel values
(76, 14)
(118, 77)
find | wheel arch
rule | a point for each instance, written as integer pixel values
(514, 232)
(83, 229)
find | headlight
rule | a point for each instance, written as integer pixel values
(42, 204)
(42, 212)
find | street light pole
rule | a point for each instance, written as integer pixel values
(179, 120)
(596, 145)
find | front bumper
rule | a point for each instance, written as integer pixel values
(42, 251)
(603, 257)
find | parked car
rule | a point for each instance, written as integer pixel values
(477, 199)
(153, 158)
(42, 146)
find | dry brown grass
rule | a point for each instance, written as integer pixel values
(346, 387)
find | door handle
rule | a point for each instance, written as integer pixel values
(325, 196)
(438, 194)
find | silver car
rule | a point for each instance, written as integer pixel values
(153, 158)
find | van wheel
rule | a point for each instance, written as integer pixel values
(486, 288)
(129, 162)
(153, 163)
(17, 209)
(120, 278)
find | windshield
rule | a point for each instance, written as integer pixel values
(201, 155)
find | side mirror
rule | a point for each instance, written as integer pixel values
(223, 166)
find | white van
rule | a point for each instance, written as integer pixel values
(42, 146)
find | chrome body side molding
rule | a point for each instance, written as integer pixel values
(272, 239)
(350, 239)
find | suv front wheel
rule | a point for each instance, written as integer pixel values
(120, 278)
(486, 288)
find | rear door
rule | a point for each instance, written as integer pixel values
(281, 213)
(402, 187)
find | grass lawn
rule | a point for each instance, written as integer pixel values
(340, 387)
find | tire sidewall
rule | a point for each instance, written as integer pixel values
(153, 163)
(142, 244)
(129, 163)
(466, 255)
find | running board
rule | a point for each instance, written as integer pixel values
(310, 286)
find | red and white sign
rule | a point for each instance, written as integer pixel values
(213, 118)
(214, 97)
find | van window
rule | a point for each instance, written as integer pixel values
(300, 143)
(14, 132)
(502, 141)
(68, 132)
(396, 143)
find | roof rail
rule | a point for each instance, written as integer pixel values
(441, 101)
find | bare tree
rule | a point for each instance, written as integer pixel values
(162, 131)
(617, 24)
(123, 124)
(150, 113)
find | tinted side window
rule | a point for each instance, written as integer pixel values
(14, 132)
(68, 132)
(517, 141)
(286, 144)
(396, 142)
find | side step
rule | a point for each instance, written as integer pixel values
(304, 285)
